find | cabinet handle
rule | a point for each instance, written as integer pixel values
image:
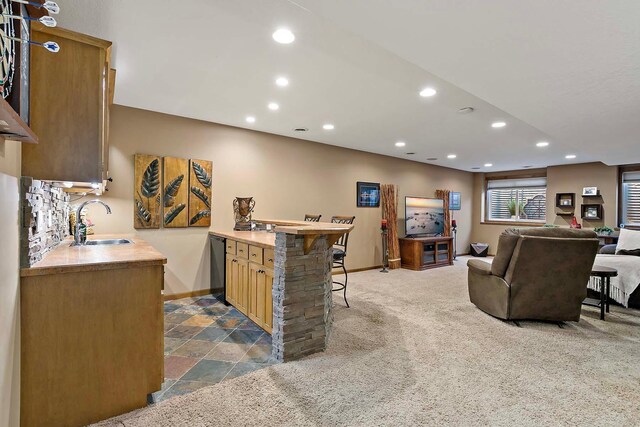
(270, 260)
(253, 255)
(240, 250)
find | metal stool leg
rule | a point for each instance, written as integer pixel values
(345, 284)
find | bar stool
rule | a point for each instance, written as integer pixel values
(340, 253)
(312, 218)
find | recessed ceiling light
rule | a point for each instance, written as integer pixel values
(273, 106)
(498, 124)
(328, 126)
(400, 144)
(427, 92)
(283, 36)
(488, 165)
(282, 81)
(542, 144)
(432, 158)
(570, 156)
(451, 156)
(250, 119)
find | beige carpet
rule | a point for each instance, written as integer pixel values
(413, 350)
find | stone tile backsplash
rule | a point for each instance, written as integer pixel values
(45, 219)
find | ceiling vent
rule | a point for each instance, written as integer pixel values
(300, 129)
(466, 110)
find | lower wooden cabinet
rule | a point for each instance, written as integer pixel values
(260, 308)
(249, 282)
(243, 285)
(92, 344)
(231, 279)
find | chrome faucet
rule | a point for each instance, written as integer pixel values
(77, 239)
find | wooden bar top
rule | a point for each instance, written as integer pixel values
(262, 239)
(70, 259)
(306, 227)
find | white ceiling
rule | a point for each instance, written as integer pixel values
(565, 72)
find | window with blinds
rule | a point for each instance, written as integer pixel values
(522, 199)
(631, 198)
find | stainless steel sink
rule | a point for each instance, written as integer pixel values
(108, 242)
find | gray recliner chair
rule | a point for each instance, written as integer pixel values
(537, 274)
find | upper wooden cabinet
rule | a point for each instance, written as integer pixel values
(69, 100)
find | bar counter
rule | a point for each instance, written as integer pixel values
(282, 281)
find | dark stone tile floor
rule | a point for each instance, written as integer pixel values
(206, 342)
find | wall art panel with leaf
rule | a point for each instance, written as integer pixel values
(200, 172)
(175, 194)
(147, 206)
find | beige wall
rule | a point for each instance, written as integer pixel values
(572, 179)
(287, 177)
(560, 179)
(9, 284)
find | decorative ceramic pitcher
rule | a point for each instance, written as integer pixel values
(242, 208)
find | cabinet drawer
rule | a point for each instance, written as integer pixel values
(268, 258)
(255, 254)
(231, 247)
(242, 250)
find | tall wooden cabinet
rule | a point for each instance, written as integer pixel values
(249, 281)
(69, 101)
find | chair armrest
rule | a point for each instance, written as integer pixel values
(608, 249)
(479, 267)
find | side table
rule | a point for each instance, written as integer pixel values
(604, 274)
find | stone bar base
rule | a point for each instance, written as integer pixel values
(302, 298)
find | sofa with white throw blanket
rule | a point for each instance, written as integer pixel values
(624, 257)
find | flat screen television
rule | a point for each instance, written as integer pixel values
(423, 216)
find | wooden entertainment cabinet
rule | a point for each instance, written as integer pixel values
(421, 253)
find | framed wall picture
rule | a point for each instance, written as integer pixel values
(368, 194)
(592, 212)
(175, 192)
(147, 197)
(590, 191)
(200, 178)
(455, 201)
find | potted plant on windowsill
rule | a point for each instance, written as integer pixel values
(512, 205)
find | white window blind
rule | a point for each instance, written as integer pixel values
(523, 199)
(631, 198)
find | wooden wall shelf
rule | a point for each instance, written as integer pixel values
(13, 127)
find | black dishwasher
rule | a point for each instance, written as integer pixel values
(218, 252)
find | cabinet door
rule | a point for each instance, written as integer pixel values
(231, 279)
(255, 274)
(243, 285)
(267, 304)
(69, 116)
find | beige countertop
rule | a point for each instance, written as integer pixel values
(267, 240)
(262, 239)
(69, 259)
(306, 227)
